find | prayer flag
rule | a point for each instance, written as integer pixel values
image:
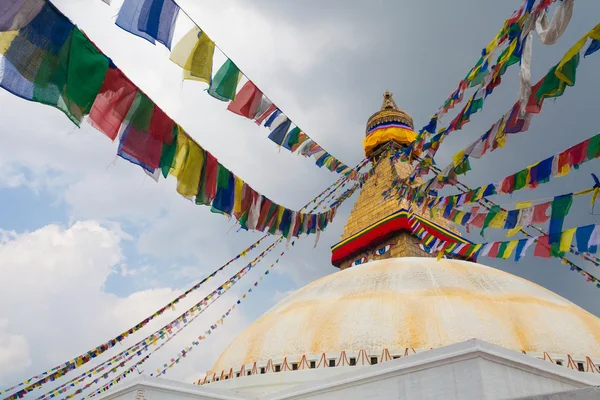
(224, 85)
(112, 103)
(238, 196)
(560, 208)
(194, 53)
(207, 187)
(265, 108)
(566, 239)
(540, 213)
(542, 248)
(16, 14)
(246, 101)
(223, 202)
(594, 47)
(292, 138)
(582, 237)
(279, 133)
(153, 20)
(190, 171)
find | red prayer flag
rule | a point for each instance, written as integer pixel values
(540, 213)
(146, 147)
(577, 153)
(112, 103)
(161, 126)
(478, 221)
(563, 159)
(508, 184)
(542, 248)
(494, 250)
(264, 211)
(211, 170)
(533, 106)
(246, 101)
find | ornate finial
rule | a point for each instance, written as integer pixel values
(388, 102)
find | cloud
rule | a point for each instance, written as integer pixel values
(53, 304)
(14, 351)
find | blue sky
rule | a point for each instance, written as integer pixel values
(89, 245)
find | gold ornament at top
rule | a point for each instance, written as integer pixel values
(389, 113)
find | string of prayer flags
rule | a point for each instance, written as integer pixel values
(69, 72)
(142, 346)
(553, 84)
(153, 20)
(152, 338)
(169, 336)
(525, 214)
(587, 238)
(220, 321)
(532, 176)
(513, 33)
(52, 62)
(194, 54)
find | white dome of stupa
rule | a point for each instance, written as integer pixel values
(416, 303)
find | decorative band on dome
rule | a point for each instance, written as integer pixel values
(401, 220)
(390, 124)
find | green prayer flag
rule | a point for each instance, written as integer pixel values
(168, 154)
(521, 179)
(560, 208)
(224, 85)
(502, 250)
(87, 69)
(293, 137)
(489, 217)
(593, 150)
(552, 86)
(140, 113)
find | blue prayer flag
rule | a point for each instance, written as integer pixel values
(272, 118)
(582, 237)
(279, 133)
(594, 47)
(153, 20)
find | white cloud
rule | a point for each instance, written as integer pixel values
(14, 351)
(53, 305)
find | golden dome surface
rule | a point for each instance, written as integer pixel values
(418, 303)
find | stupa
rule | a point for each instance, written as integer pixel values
(395, 322)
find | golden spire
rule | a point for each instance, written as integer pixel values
(388, 102)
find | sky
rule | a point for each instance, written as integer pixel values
(90, 245)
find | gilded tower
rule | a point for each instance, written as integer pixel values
(380, 228)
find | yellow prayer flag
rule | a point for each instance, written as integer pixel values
(513, 231)
(194, 53)
(458, 158)
(506, 56)
(523, 204)
(593, 34)
(6, 38)
(510, 248)
(440, 255)
(566, 239)
(499, 220)
(191, 170)
(239, 192)
(280, 211)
